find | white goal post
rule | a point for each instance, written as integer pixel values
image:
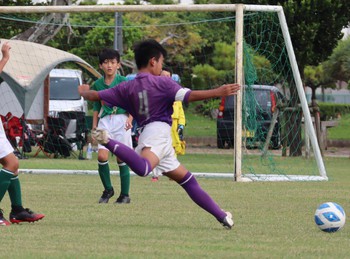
(239, 10)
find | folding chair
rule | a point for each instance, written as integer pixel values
(76, 131)
(55, 140)
(38, 136)
(14, 132)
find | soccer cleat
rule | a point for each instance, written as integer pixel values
(26, 215)
(100, 135)
(123, 199)
(154, 179)
(227, 222)
(106, 195)
(3, 221)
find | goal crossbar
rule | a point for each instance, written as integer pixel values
(136, 8)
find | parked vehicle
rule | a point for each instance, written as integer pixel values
(257, 114)
(64, 94)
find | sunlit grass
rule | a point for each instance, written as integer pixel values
(273, 220)
(342, 131)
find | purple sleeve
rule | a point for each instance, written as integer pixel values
(187, 95)
(113, 97)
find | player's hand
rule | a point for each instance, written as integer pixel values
(93, 140)
(228, 89)
(128, 124)
(83, 88)
(165, 73)
(5, 49)
(180, 131)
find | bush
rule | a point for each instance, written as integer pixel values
(330, 111)
(206, 107)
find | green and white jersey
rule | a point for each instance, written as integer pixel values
(99, 85)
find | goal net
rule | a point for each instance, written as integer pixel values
(268, 123)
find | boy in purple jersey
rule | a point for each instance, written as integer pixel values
(149, 99)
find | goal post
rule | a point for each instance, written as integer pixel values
(254, 40)
(239, 79)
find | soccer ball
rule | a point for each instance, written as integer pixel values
(330, 217)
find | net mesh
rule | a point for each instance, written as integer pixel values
(201, 50)
(277, 111)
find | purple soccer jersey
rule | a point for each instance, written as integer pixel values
(147, 98)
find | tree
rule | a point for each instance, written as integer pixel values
(315, 77)
(47, 28)
(338, 64)
(315, 26)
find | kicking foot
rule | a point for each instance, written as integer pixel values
(227, 222)
(100, 135)
(154, 179)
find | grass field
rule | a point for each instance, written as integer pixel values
(198, 125)
(342, 131)
(272, 220)
(201, 126)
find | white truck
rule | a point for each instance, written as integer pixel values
(64, 94)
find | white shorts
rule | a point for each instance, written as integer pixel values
(115, 125)
(157, 136)
(5, 146)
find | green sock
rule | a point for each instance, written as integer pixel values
(5, 181)
(15, 192)
(124, 173)
(103, 171)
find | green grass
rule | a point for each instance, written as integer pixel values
(201, 126)
(198, 125)
(342, 131)
(273, 219)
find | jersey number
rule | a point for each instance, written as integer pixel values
(143, 99)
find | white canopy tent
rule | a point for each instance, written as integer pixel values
(30, 63)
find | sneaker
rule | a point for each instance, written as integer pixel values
(3, 221)
(106, 195)
(154, 179)
(26, 215)
(227, 222)
(123, 199)
(100, 135)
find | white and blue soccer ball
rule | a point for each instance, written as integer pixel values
(330, 217)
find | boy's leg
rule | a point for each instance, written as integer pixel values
(5, 181)
(199, 196)
(124, 174)
(18, 213)
(104, 173)
(139, 165)
(124, 171)
(15, 194)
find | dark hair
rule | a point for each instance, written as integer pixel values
(106, 54)
(147, 49)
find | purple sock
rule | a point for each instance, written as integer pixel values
(138, 164)
(200, 197)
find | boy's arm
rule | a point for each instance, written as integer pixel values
(128, 124)
(224, 90)
(5, 49)
(94, 119)
(90, 95)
